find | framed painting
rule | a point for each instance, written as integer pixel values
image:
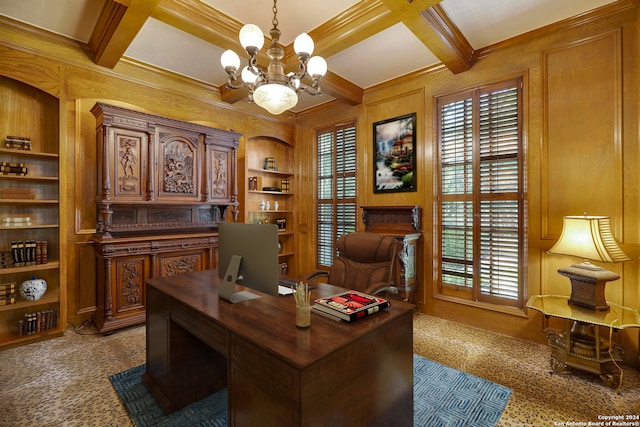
(394, 143)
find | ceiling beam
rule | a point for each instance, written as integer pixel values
(428, 21)
(200, 20)
(117, 26)
(445, 40)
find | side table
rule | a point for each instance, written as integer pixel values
(579, 345)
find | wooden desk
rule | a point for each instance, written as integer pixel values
(332, 373)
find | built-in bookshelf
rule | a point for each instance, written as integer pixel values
(29, 213)
(270, 184)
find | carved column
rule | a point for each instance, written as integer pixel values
(403, 223)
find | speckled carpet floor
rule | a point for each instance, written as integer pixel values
(65, 381)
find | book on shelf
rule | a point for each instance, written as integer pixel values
(17, 142)
(350, 305)
(7, 299)
(7, 168)
(16, 193)
(7, 288)
(4, 293)
(39, 321)
(41, 252)
(30, 249)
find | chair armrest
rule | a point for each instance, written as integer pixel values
(316, 274)
(380, 287)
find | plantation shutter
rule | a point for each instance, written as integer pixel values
(480, 201)
(336, 188)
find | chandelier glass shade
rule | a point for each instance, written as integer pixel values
(272, 89)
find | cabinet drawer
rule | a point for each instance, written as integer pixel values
(174, 263)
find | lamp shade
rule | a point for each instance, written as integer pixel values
(251, 36)
(303, 44)
(275, 98)
(589, 237)
(248, 77)
(317, 66)
(230, 59)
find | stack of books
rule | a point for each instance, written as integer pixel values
(7, 293)
(13, 168)
(349, 305)
(16, 193)
(17, 142)
(6, 259)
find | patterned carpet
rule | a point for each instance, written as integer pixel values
(443, 396)
(64, 381)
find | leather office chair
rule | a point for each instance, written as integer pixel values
(364, 263)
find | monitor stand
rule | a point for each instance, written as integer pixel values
(229, 283)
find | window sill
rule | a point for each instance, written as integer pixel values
(513, 311)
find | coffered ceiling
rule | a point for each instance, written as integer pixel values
(365, 42)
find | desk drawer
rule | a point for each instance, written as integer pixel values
(201, 327)
(267, 371)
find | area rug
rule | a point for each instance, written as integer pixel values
(442, 396)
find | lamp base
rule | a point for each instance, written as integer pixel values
(587, 285)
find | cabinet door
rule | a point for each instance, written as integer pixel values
(126, 165)
(128, 284)
(179, 163)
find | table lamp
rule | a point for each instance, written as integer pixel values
(590, 238)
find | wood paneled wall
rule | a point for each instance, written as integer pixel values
(581, 133)
(580, 121)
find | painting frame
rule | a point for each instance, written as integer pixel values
(394, 161)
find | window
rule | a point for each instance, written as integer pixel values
(336, 188)
(480, 195)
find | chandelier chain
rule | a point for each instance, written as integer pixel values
(275, 14)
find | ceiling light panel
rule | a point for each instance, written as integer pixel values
(167, 47)
(391, 53)
(488, 22)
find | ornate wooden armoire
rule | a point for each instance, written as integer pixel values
(163, 187)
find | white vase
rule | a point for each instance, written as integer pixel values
(33, 289)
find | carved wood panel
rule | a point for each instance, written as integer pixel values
(179, 171)
(221, 168)
(130, 275)
(130, 166)
(174, 264)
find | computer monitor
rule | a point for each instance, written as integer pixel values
(248, 256)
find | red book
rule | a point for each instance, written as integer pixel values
(350, 305)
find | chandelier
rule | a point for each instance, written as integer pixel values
(273, 90)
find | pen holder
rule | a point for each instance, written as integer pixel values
(303, 317)
(303, 307)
